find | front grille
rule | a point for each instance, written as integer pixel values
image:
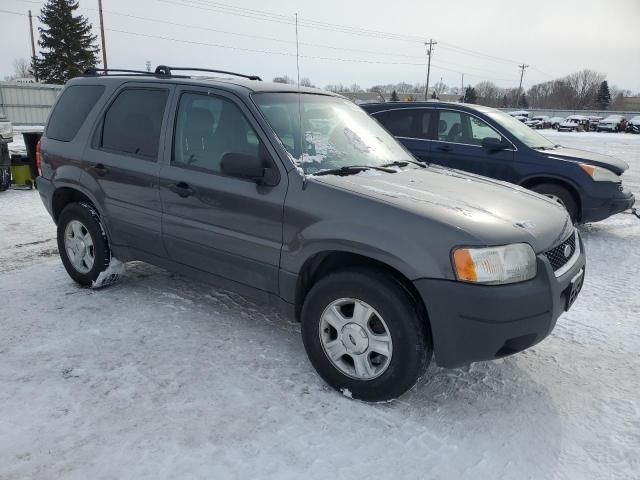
(559, 255)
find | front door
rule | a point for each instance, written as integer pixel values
(458, 145)
(222, 225)
(122, 160)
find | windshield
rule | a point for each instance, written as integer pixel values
(335, 132)
(519, 130)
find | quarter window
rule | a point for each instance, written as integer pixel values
(71, 111)
(207, 127)
(133, 122)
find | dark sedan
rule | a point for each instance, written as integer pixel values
(491, 143)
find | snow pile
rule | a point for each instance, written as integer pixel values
(163, 377)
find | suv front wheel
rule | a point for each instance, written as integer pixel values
(364, 334)
(82, 243)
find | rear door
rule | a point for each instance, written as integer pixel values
(222, 225)
(412, 127)
(458, 145)
(123, 160)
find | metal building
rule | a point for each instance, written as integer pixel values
(27, 103)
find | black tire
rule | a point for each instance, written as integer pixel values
(410, 335)
(5, 178)
(89, 217)
(562, 195)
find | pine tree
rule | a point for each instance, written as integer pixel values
(523, 101)
(67, 45)
(394, 96)
(470, 95)
(603, 97)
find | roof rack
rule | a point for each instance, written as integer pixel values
(164, 70)
(119, 72)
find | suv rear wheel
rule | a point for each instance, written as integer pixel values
(82, 243)
(561, 195)
(364, 335)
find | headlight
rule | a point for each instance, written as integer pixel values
(495, 265)
(600, 174)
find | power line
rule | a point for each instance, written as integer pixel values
(14, 13)
(268, 16)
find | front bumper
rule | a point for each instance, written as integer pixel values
(471, 323)
(599, 208)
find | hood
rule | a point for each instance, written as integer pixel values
(592, 158)
(493, 213)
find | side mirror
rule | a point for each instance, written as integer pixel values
(250, 167)
(493, 144)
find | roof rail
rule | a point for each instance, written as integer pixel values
(164, 70)
(107, 71)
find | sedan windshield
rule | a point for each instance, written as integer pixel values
(322, 132)
(519, 130)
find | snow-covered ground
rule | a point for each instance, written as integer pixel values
(161, 377)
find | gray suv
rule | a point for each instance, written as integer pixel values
(297, 198)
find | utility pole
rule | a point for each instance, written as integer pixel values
(462, 84)
(429, 52)
(33, 48)
(104, 46)
(522, 68)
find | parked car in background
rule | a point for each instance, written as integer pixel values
(538, 122)
(296, 197)
(555, 122)
(633, 125)
(574, 123)
(520, 113)
(593, 123)
(612, 123)
(489, 142)
(6, 136)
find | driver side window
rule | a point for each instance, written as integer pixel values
(207, 127)
(462, 128)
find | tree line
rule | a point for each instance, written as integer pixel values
(67, 48)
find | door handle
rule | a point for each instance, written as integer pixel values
(443, 148)
(182, 189)
(100, 169)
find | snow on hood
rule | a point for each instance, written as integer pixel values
(496, 212)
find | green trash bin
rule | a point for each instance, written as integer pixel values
(21, 173)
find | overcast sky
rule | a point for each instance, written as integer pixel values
(554, 37)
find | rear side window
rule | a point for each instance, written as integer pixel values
(71, 111)
(133, 121)
(410, 123)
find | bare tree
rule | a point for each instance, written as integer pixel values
(21, 69)
(585, 85)
(306, 82)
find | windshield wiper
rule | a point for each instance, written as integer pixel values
(352, 169)
(403, 163)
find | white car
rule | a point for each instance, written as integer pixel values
(6, 130)
(538, 122)
(574, 123)
(555, 122)
(613, 123)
